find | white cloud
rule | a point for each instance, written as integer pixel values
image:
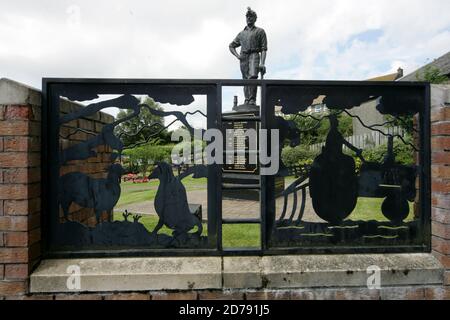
(189, 39)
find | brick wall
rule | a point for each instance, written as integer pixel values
(440, 173)
(387, 293)
(20, 201)
(20, 175)
(94, 167)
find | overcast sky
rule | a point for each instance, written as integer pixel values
(320, 39)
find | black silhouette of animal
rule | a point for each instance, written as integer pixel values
(80, 151)
(171, 204)
(197, 171)
(99, 194)
(136, 217)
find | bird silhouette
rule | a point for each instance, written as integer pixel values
(171, 204)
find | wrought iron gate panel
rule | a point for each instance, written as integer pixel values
(83, 170)
(320, 210)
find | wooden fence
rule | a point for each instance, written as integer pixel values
(366, 141)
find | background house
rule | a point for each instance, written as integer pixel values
(442, 64)
(369, 115)
(367, 111)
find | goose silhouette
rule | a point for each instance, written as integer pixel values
(171, 204)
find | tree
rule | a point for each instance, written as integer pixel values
(432, 75)
(146, 124)
(142, 157)
(317, 132)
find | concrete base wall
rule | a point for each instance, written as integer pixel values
(236, 273)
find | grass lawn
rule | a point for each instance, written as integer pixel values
(138, 192)
(236, 235)
(241, 235)
(370, 209)
(248, 235)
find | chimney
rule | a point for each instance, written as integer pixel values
(399, 73)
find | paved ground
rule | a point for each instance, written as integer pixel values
(231, 208)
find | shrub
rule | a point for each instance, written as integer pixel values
(140, 159)
(299, 155)
(404, 153)
(314, 132)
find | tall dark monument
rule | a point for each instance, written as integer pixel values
(252, 42)
(252, 56)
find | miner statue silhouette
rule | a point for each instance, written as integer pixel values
(252, 57)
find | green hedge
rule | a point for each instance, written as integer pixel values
(141, 159)
(299, 155)
(404, 154)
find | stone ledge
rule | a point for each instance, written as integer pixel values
(129, 274)
(271, 272)
(12, 92)
(440, 95)
(314, 271)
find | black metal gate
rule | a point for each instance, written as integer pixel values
(370, 194)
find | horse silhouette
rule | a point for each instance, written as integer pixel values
(99, 194)
(171, 204)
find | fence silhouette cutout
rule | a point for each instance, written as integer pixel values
(318, 203)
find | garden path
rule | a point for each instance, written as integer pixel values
(231, 208)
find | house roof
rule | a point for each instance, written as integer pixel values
(442, 63)
(389, 77)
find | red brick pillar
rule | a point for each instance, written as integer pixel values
(440, 175)
(19, 186)
(20, 179)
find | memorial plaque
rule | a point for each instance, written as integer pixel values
(235, 161)
(241, 171)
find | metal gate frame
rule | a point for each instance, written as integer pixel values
(52, 87)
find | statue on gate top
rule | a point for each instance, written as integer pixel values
(252, 57)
